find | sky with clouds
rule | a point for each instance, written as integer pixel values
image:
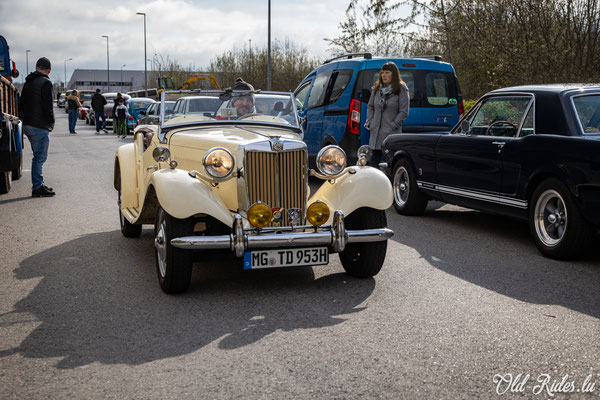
(192, 32)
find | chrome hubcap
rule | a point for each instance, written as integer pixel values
(161, 249)
(550, 218)
(401, 186)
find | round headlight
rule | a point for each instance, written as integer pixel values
(363, 154)
(331, 160)
(260, 215)
(218, 162)
(317, 213)
(161, 154)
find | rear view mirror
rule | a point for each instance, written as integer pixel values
(278, 106)
(465, 127)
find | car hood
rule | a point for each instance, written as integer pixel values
(229, 136)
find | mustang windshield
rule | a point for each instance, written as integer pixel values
(204, 107)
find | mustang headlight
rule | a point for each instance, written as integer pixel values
(331, 160)
(317, 213)
(218, 162)
(260, 215)
(364, 153)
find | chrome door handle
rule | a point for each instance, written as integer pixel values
(499, 143)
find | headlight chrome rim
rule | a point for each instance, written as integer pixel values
(206, 168)
(323, 152)
(161, 154)
(363, 155)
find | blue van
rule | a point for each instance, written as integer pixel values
(332, 100)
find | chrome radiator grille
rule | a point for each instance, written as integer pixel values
(277, 179)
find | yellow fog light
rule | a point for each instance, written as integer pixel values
(317, 213)
(259, 215)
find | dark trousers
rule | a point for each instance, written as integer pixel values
(375, 158)
(72, 120)
(97, 116)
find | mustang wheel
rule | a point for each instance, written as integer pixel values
(173, 265)
(556, 224)
(127, 228)
(408, 199)
(364, 260)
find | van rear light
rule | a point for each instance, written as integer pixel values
(130, 118)
(461, 109)
(353, 125)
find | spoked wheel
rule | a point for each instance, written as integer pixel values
(556, 224)
(408, 199)
(173, 265)
(364, 260)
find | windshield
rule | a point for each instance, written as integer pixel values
(86, 95)
(139, 105)
(588, 113)
(200, 107)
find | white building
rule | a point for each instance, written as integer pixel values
(120, 80)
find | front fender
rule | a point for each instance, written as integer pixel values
(182, 196)
(368, 187)
(125, 178)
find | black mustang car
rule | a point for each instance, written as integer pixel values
(528, 152)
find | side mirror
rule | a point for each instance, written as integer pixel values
(142, 112)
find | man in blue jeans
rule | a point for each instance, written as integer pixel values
(35, 109)
(72, 105)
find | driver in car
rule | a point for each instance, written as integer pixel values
(244, 105)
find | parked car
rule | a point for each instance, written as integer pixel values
(152, 114)
(137, 108)
(61, 100)
(84, 95)
(333, 99)
(84, 110)
(241, 186)
(528, 152)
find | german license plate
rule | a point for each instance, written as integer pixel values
(286, 258)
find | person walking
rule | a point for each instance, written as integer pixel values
(387, 109)
(118, 101)
(73, 105)
(98, 103)
(121, 119)
(36, 111)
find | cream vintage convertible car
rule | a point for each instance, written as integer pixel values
(221, 181)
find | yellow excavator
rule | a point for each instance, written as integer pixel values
(167, 83)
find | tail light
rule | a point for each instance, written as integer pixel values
(461, 109)
(130, 118)
(353, 125)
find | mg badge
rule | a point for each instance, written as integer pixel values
(294, 216)
(277, 145)
(277, 216)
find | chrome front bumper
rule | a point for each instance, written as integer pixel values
(334, 235)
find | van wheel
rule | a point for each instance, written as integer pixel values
(556, 224)
(364, 260)
(173, 265)
(5, 182)
(408, 199)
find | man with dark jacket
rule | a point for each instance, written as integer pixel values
(35, 109)
(98, 103)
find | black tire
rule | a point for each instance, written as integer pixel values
(173, 265)
(364, 260)
(18, 172)
(5, 182)
(408, 199)
(555, 222)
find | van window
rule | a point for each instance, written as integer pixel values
(369, 78)
(300, 95)
(342, 79)
(317, 94)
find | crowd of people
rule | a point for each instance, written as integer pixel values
(387, 109)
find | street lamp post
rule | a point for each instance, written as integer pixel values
(68, 59)
(269, 51)
(145, 57)
(27, 60)
(122, 76)
(107, 66)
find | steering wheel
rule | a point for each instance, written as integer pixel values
(487, 131)
(248, 116)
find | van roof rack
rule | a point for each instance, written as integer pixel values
(367, 56)
(433, 58)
